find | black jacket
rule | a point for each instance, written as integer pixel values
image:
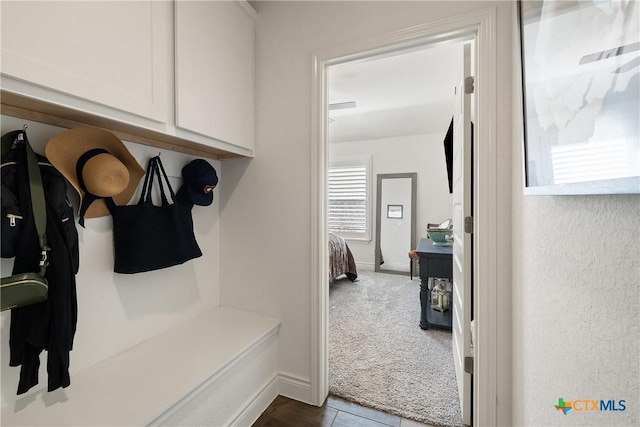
(49, 325)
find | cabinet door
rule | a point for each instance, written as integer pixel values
(113, 54)
(214, 71)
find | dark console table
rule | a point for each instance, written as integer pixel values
(435, 261)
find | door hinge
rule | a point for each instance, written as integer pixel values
(468, 224)
(469, 85)
(468, 365)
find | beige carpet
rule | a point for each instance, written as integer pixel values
(380, 358)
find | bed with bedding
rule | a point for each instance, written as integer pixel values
(340, 259)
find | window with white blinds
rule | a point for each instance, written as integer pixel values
(348, 204)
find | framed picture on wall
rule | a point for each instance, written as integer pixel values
(394, 211)
(581, 96)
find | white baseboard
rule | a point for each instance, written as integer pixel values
(281, 384)
(295, 388)
(370, 266)
(365, 266)
(395, 266)
(256, 405)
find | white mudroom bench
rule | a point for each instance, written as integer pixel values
(212, 370)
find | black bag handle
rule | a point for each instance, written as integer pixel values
(152, 171)
(166, 178)
(145, 195)
(165, 202)
(155, 167)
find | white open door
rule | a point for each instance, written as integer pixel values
(462, 277)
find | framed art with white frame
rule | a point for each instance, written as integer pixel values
(581, 96)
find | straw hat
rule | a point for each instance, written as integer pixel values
(97, 164)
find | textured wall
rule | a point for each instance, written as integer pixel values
(575, 307)
(576, 281)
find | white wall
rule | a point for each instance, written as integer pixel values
(570, 340)
(265, 205)
(423, 154)
(117, 311)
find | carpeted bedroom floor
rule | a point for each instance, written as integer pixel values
(378, 355)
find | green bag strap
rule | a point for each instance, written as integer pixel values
(38, 204)
(36, 191)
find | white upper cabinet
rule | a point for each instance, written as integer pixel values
(180, 73)
(112, 54)
(214, 70)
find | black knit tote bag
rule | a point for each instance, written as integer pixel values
(147, 237)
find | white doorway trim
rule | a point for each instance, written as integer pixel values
(481, 26)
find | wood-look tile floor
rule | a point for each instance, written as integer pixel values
(336, 412)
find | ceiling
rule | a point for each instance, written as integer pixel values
(407, 93)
